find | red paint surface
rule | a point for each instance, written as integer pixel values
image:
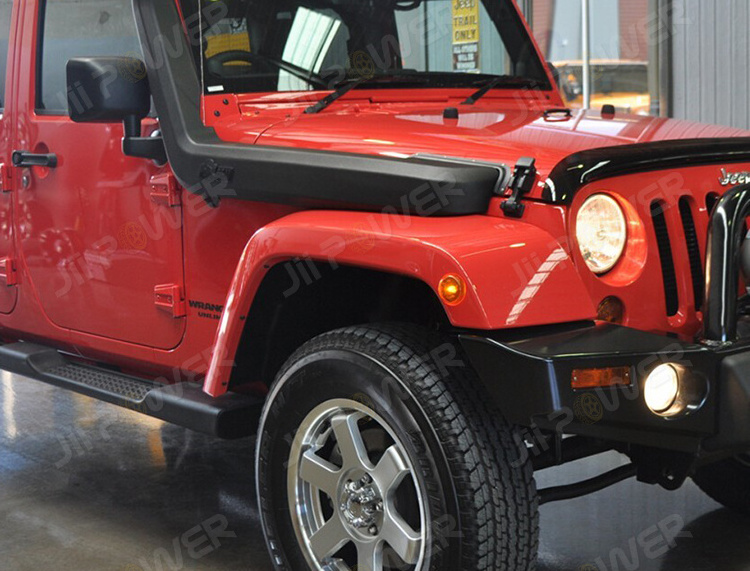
(90, 244)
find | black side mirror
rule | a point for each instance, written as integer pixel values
(110, 90)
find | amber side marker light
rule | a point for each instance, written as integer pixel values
(601, 378)
(452, 289)
(611, 310)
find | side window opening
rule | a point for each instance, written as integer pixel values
(6, 7)
(79, 28)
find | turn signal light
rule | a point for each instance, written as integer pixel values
(452, 289)
(601, 378)
(611, 310)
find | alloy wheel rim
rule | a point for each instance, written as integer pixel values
(346, 497)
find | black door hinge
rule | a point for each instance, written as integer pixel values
(524, 176)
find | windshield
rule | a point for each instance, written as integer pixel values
(300, 45)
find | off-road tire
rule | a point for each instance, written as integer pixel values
(483, 503)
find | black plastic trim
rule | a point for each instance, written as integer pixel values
(726, 232)
(206, 165)
(666, 259)
(27, 159)
(229, 416)
(586, 167)
(590, 486)
(694, 251)
(528, 376)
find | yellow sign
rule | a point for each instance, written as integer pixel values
(466, 35)
(465, 21)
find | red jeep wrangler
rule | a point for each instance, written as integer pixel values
(369, 234)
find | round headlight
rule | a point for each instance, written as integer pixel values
(662, 388)
(602, 232)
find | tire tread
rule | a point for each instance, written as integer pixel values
(497, 493)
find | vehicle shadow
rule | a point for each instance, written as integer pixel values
(718, 541)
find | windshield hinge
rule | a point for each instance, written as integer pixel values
(524, 176)
(169, 298)
(6, 179)
(165, 190)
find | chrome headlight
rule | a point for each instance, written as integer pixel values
(602, 232)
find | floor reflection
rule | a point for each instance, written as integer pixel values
(87, 486)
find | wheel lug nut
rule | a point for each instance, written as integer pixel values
(366, 479)
(373, 530)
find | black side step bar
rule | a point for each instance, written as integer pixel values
(229, 416)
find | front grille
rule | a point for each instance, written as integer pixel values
(694, 251)
(712, 199)
(665, 256)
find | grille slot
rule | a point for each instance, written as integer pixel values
(712, 199)
(665, 256)
(694, 251)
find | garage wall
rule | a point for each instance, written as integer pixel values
(711, 61)
(542, 14)
(566, 39)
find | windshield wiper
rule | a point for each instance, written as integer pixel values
(401, 77)
(340, 91)
(346, 87)
(507, 80)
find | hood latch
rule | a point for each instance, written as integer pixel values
(524, 176)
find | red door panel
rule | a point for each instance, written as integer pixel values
(93, 244)
(8, 291)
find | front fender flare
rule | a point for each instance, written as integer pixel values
(516, 273)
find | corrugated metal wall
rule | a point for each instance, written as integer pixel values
(711, 53)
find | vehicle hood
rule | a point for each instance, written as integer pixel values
(496, 133)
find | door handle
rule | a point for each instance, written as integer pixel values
(26, 159)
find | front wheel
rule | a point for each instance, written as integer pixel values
(378, 451)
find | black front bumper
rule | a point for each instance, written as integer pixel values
(529, 373)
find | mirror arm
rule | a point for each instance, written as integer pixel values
(133, 145)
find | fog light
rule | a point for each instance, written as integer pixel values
(662, 390)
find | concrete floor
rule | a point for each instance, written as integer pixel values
(87, 486)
